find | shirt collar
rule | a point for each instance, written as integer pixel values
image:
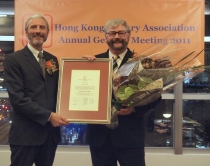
(121, 56)
(34, 51)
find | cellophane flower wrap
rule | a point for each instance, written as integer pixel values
(144, 77)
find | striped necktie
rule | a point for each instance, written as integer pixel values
(42, 62)
(115, 65)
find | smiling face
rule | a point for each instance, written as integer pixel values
(117, 43)
(37, 32)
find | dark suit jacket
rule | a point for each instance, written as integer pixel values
(32, 96)
(130, 130)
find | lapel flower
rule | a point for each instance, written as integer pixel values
(50, 66)
(135, 56)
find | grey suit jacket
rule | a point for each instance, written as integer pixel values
(32, 96)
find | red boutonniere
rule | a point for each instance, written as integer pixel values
(50, 66)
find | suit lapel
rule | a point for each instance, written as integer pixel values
(104, 55)
(32, 60)
(126, 57)
(47, 58)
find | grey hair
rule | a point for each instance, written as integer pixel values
(115, 23)
(33, 17)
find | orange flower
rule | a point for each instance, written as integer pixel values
(50, 66)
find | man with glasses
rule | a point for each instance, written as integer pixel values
(125, 143)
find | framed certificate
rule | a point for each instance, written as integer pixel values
(85, 90)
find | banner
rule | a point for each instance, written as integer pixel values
(76, 26)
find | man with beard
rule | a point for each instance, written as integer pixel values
(125, 143)
(34, 132)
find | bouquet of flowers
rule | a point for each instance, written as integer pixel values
(144, 77)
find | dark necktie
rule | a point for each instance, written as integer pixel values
(115, 65)
(42, 62)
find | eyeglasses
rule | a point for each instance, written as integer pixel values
(120, 33)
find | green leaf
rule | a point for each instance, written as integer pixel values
(134, 87)
(121, 93)
(125, 91)
(142, 84)
(146, 80)
(129, 91)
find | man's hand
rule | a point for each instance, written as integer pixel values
(89, 57)
(125, 110)
(57, 120)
